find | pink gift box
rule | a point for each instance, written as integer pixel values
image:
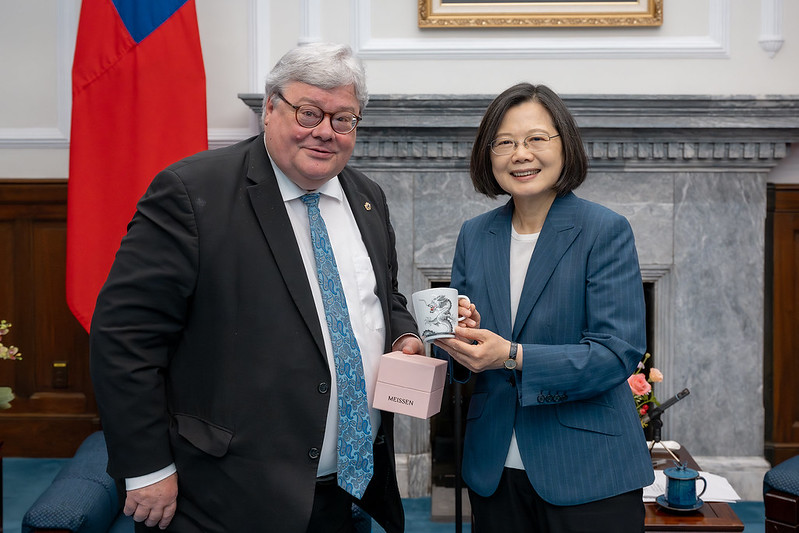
(410, 384)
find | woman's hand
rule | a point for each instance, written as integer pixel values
(479, 349)
(467, 310)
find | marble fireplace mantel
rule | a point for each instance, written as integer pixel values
(644, 131)
(690, 174)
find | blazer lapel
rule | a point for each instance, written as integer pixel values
(372, 228)
(556, 236)
(268, 205)
(497, 270)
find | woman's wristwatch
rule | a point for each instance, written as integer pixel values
(510, 362)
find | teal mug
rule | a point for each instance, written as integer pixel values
(681, 487)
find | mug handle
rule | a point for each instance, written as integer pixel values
(704, 486)
(465, 298)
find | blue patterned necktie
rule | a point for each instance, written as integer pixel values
(355, 465)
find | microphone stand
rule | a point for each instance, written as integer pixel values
(654, 420)
(657, 425)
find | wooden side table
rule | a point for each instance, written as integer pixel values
(712, 516)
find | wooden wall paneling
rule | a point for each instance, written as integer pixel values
(48, 418)
(782, 371)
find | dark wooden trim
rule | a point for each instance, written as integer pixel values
(47, 418)
(782, 511)
(781, 342)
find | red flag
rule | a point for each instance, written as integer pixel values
(138, 104)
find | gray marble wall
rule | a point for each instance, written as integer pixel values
(690, 174)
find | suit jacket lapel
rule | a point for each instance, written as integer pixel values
(497, 270)
(274, 221)
(366, 215)
(556, 236)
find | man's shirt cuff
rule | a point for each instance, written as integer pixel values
(133, 483)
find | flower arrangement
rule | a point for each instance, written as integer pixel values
(641, 386)
(7, 352)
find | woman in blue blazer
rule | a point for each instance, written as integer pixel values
(557, 324)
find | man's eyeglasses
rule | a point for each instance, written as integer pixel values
(310, 116)
(537, 142)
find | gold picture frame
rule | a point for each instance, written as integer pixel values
(544, 14)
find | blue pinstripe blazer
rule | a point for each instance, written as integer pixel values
(581, 321)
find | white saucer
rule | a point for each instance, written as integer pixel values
(431, 338)
(661, 500)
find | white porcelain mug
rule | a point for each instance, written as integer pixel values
(436, 312)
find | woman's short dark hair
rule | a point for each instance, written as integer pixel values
(575, 161)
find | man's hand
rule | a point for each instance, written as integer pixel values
(410, 344)
(154, 504)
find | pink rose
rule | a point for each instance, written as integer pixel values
(639, 385)
(655, 375)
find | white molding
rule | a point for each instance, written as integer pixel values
(310, 22)
(219, 137)
(27, 138)
(34, 137)
(771, 37)
(714, 45)
(258, 40)
(68, 14)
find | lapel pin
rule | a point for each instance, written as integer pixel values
(367, 206)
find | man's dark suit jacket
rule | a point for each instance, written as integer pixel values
(206, 348)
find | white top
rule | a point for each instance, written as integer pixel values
(521, 251)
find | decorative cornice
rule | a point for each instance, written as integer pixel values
(661, 132)
(396, 151)
(670, 155)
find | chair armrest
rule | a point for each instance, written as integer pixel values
(82, 498)
(782, 507)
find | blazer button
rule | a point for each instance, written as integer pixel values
(322, 388)
(313, 453)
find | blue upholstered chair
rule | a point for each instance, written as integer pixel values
(82, 497)
(781, 497)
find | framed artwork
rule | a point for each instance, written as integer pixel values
(539, 13)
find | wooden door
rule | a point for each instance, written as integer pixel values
(781, 363)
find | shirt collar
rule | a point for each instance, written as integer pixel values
(291, 191)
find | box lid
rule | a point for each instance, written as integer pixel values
(412, 371)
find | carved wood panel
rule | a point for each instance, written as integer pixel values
(54, 408)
